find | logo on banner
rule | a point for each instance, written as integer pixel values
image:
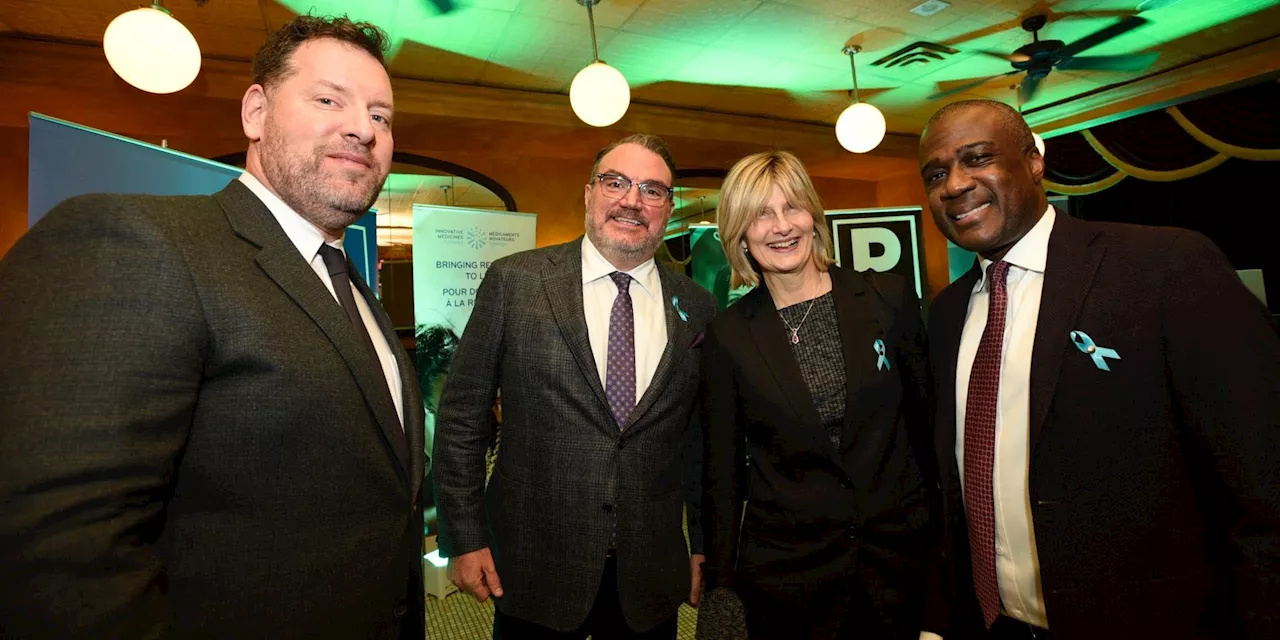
(448, 235)
(886, 242)
(475, 238)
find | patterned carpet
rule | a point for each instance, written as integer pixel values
(460, 617)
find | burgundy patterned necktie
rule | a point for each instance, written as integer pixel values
(980, 446)
(620, 367)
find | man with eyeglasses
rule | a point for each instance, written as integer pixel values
(594, 348)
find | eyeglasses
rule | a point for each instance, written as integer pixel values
(616, 186)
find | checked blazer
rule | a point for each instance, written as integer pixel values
(566, 474)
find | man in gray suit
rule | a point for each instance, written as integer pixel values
(594, 347)
(207, 424)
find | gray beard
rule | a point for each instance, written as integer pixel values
(610, 248)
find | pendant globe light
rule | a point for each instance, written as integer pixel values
(860, 128)
(599, 94)
(151, 50)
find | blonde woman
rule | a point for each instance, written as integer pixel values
(815, 506)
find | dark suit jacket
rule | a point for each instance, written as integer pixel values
(193, 443)
(565, 471)
(1155, 486)
(813, 511)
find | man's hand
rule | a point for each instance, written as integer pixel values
(695, 572)
(474, 573)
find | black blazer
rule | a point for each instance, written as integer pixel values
(817, 501)
(1155, 486)
(566, 474)
(193, 443)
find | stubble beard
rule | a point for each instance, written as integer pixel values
(304, 184)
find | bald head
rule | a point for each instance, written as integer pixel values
(1008, 118)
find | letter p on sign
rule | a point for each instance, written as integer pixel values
(875, 248)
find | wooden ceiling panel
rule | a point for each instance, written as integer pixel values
(687, 95)
(274, 14)
(50, 20)
(426, 63)
(495, 75)
(245, 14)
(228, 42)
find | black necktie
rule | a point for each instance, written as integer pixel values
(336, 263)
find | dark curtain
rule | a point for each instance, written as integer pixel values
(1230, 204)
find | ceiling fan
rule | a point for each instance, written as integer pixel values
(1040, 57)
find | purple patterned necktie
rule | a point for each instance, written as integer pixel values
(620, 368)
(980, 412)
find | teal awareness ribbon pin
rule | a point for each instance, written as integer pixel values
(675, 302)
(1085, 344)
(882, 363)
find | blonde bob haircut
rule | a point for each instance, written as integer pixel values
(745, 193)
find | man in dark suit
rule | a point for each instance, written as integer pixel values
(207, 424)
(1108, 422)
(593, 346)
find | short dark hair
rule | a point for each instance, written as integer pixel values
(272, 62)
(1009, 118)
(646, 140)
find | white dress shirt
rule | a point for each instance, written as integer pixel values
(1017, 563)
(308, 240)
(598, 294)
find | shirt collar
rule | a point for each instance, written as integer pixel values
(302, 233)
(596, 266)
(1029, 253)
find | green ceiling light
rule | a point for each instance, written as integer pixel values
(151, 50)
(599, 94)
(860, 128)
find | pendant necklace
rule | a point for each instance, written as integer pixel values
(795, 331)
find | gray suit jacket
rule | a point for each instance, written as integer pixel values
(192, 441)
(565, 472)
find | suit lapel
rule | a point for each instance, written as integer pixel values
(280, 260)
(859, 328)
(562, 282)
(770, 339)
(1069, 270)
(678, 337)
(411, 398)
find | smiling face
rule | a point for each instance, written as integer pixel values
(780, 238)
(984, 190)
(321, 135)
(626, 230)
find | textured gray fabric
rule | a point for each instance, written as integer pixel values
(195, 444)
(566, 473)
(819, 355)
(721, 616)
